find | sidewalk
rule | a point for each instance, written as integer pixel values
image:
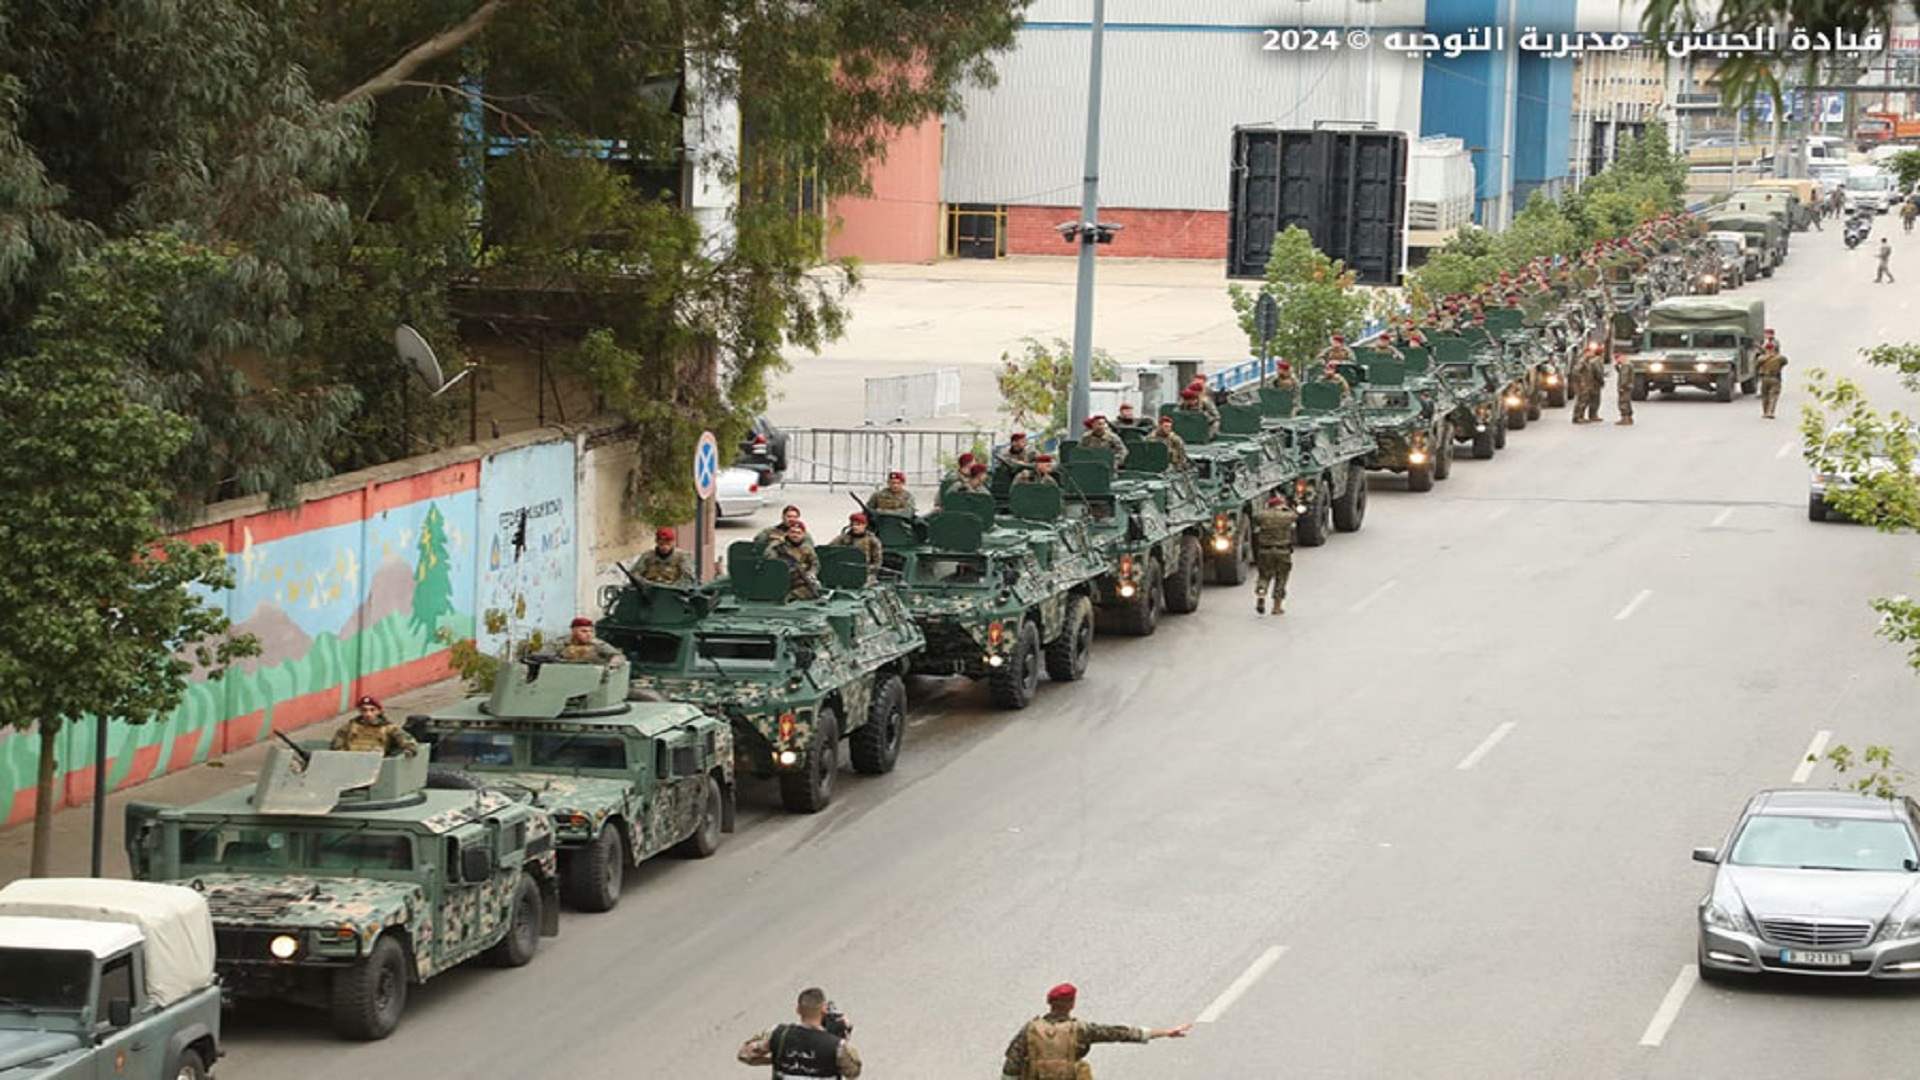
(73, 827)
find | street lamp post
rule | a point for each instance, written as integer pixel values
(1088, 234)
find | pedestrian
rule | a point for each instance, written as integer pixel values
(1884, 255)
(856, 536)
(1770, 365)
(583, 647)
(1054, 1046)
(664, 563)
(1908, 208)
(894, 498)
(818, 1046)
(369, 731)
(1272, 552)
(1623, 393)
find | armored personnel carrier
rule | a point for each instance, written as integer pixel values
(1328, 438)
(1477, 415)
(341, 879)
(1405, 414)
(621, 781)
(1234, 470)
(794, 677)
(1145, 523)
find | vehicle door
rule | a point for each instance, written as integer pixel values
(466, 923)
(131, 1039)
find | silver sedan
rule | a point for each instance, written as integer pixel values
(1815, 883)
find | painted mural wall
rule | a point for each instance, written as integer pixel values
(348, 595)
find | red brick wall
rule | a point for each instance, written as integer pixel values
(1149, 234)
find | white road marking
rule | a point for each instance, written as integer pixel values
(1633, 605)
(1812, 757)
(1669, 1009)
(1785, 449)
(1241, 985)
(1486, 745)
(1375, 594)
(1721, 518)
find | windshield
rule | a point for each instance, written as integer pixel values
(950, 570)
(474, 748)
(1693, 339)
(1384, 399)
(1728, 246)
(1822, 843)
(580, 751)
(233, 847)
(1869, 182)
(45, 978)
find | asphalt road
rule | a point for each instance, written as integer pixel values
(1442, 809)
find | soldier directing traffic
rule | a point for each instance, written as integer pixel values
(1272, 552)
(1770, 365)
(1052, 1047)
(369, 731)
(664, 563)
(582, 647)
(817, 1046)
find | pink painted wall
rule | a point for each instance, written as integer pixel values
(900, 222)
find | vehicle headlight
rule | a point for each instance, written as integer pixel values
(1126, 590)
(995, 660)
(787, 757)
(1479, 427)
(1553, 379)
(284, 946)
(1417, 457)
(1513, 401)
(1701, 366)
(1709, 279)
(1656, 367)
(1726, 917)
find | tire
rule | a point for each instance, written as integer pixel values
(1750, 385)
(367, 999)
(1183, 588)
(1350, 509)
(1723, 387)
(1533, 407)
(1311, 530)
(1141, 615)
(593, 875)
(810, 790)
(1483, 444)
(1014, 683)
(705, 839)
(1816, 508)
(1443, 462)
(1638, 391)
(1557, 396)
(1768, 272)
(522, 939)
(876, 746)
(1231, 568)
(440, 778)
(1420, 477)
(190, 1066)
(1068, 654)
(1517, 418)
(1499, 436)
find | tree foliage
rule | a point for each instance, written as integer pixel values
(1879, 774)
(1314, 295)
(1906, 168)
(1036, 384)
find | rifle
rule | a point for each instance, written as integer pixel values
(638, 582)
(305, 755)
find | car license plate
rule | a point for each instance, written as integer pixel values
(1815, 959)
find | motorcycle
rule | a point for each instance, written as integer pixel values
(1857, 230)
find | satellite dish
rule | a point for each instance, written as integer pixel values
(418, 355)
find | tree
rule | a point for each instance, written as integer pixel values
(105, 618)
(1906, 168)
(1315, 296)
(1036, 384)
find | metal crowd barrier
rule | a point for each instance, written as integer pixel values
(862, 457)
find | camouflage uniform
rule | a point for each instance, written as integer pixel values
(1272, 554)
(1337, 379)
(1176, 447)
(773, 534)
(1769, 368)
(1054, 1046)
(1586, 389)
(1623, 392)
(1204, 405)
(803, 568)
(673, 568)
(1015, 460)
(592, 652)
(1106, 440)
(868, 545)
(1282, 380)
(384, 737)
(888, 501)
(1033, 476)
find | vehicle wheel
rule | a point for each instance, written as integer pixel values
(1183, 588)
(1443, 459)
(1533, 407)
(1499, 436)
(1557, 396)
(1068, 655)
(1142, 614)
(1816, 508)
(1750, 385)
(1517, 418)
(190, 1067)
(706, 835)
(1350, 510)
(593, 875)
(523, 933)
(1420, 477)
(1768, 272)
(1311, 529)
(1723, 387)
(1638, 391)
(1013, 683)
(367, 999)
(810, 789)
(440, 778)
(876, 746)
(1483, 445)
(1231, 568)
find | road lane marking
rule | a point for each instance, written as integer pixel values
(1812, 757)
(1721, 518)
(1375, 594)
(1785, 449)
(1633, 605)
(1241, 985)
(1486, 745)
(1669, 1009)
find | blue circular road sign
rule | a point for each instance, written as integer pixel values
(706, 465)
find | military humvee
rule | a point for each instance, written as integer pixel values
(1234, 471)
(1402, 405)
(998, 597)
(1145, 523)
(341, 878)
(1328, 437)
(793, 677)
(1704, 341)
(620, 780)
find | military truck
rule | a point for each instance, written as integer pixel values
(1328, 438)
(1145, 523)
(1761, 230)
(1410, 429)
(1234, 470)
(1775, 204)
(998, 597)
(621, 781)
(794, 678)
(1707, 341)
(340, 879)
(106, 978)
(1477, 414)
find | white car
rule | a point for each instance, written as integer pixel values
(737, 493)
(1869, 188)
(1820, 483)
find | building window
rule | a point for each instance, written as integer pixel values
(976, 230)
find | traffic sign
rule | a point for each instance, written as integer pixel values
(706, 465)
(1266, 317)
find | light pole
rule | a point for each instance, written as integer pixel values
(1088, 233)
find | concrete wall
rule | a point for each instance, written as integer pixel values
(901, 221)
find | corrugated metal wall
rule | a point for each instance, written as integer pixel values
(1174, 90)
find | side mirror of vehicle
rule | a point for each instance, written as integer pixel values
(120, 1012)
(476, 863)
(1710, 856)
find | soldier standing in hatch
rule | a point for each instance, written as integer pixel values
(1176, 446)
(1203, 396)
(1272, 552)
(664, 564)
(1769, 367)
(369, 731)
(581, 647)
(1101, 437)
(1041, 473)
(1282, 377)
(1016, 457)
(803, 564)
(855, 535)
(1128, 419)
(1055, 1046)
(894, 498)
(788, 515)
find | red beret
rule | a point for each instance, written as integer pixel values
(1339, 337)
(663, 533)
(1190, 394)
(1047, 458)
(1063, 992)
(368, 699)
(978, 468)
(1283, 366)
(966, 460)
(1018, 435)
(900, 476)
(1275, 500)
(856, 518)
(581, 621)
(1167, 420)
(796, 523)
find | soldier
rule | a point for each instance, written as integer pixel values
(1101, 437)
(1336, 351)
(1176, 446)
(1272, 552)
(1623, 393)
(855, 535)
(1054, 1046)
(803, 564)
(976, 479)
(1589, 373)
(894, 498)
(1331, 374)
(1041, 473)
(773, 532)
(369, 731)
(1190, 401)
(581, 647)
(1769, 366)
(1282, 377)
(1884, 255)
(663, 564)
(1128, 419)
(1204, 396)
(1016, 456)
(817, 1046)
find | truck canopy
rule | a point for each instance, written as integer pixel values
(173, 919)
(1735, 221)
(1709, 312)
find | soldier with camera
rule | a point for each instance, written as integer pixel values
(817, 1046)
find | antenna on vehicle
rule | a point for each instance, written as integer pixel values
(418, 355)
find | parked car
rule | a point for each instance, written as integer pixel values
(764, 448)
(1879, 460)
(1812, 882)
(737, 494)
